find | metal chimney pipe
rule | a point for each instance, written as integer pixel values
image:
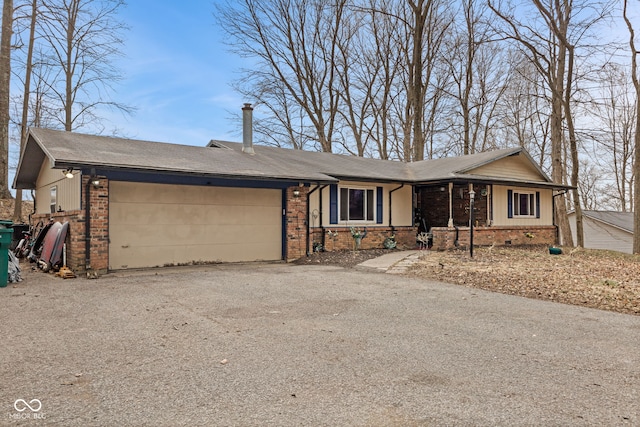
(247, 129)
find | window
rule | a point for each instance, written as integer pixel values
(54, 199)
(524, 204)
(356, 204)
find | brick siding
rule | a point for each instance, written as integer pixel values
(340, 238)
(444, 237)
(433, 205)
(296, 224)
(99, 247)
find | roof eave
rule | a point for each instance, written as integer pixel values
(459, 178)
(391, 180)
(321, 179)
(30, 161)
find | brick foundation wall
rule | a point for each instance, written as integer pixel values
(340, 239)
(444, 237)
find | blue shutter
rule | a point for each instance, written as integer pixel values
(378, 205)
(333, 204)
(537, 204)
(509, 203)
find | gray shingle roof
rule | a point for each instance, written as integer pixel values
(226, 160)
(334, 165)
(622, 220)
(68, 149)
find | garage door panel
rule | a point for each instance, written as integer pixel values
(131, 213)
(158, 224)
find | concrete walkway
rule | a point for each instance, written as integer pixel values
(394, 263)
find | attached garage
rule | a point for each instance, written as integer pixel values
(162, 224)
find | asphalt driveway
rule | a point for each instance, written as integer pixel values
(285, 345)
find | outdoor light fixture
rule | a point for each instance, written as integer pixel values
(95, 182)
(296, 193)
(68, 173)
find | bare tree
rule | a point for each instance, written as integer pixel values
(428, 24)
(82, 38)
(525, 109)
(589, 187)
(549, 38)
(5, 86)
(381, 68)
(636, 163)
(558, 16)
(614, 109)
(478, 70)
(296, 46)
(356, 84)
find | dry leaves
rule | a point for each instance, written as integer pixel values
(599, 279)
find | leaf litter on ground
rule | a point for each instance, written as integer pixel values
(604, 280)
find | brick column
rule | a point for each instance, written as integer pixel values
(296, 223)
(99, 223)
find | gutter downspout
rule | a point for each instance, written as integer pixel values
(322, 239)
(553, 207)
(306, 220)
(390, 223)
(87, 226)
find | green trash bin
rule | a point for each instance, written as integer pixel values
(6, 233)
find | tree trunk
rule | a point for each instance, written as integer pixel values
(573, 148)
(420, 16)
(5, 85)
(557, 164)
(636, 160)
(17, 210)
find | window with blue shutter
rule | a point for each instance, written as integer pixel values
(349, 204)
(378, 205)
(333, 204)
(523, 204)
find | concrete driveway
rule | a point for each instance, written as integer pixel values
(285, 345)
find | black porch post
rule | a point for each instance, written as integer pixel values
(472, 196)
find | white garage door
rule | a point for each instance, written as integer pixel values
(159, 224)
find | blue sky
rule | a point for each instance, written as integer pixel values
(177, 73)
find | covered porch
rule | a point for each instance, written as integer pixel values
(442, 211)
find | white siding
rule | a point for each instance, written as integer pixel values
(598, 235)
(500, 207)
